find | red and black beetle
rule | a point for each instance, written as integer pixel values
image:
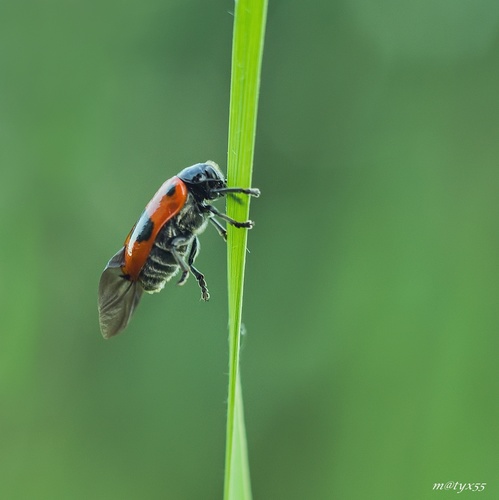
(164, 241)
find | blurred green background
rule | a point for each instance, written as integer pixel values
(369, 364)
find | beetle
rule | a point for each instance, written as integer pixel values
(164, 241)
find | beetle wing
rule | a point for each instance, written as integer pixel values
(118, 297)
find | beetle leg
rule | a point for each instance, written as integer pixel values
(248, 224)
(183, 278)
(187, 266)
(174, 244)
(221, 230)
(205, 294)
(250, 191)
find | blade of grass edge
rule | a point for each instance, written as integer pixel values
(247, 50)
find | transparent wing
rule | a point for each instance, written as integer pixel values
(118, 297)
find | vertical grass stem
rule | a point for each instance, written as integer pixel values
(247, 50)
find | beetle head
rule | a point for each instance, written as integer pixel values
(203, 180)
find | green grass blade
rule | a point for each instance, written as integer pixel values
(240, 483)
(247, 50)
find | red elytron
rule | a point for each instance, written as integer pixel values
(165, 204)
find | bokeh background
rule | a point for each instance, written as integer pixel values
(370, 360)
